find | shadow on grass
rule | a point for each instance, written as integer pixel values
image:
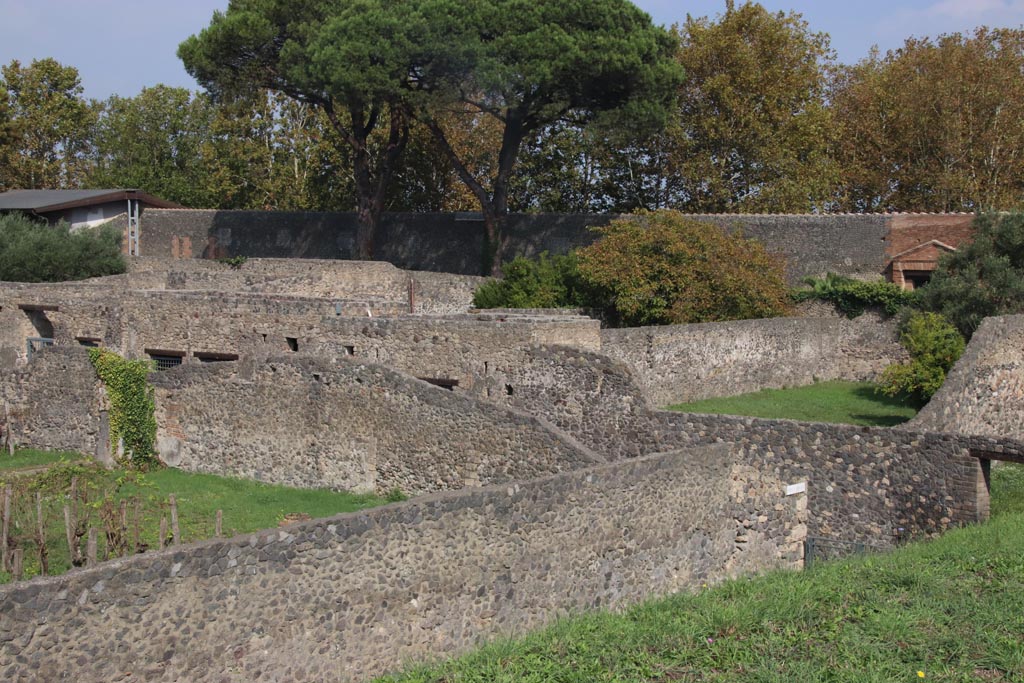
(871, 393)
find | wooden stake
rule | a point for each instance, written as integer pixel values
(137, 531)
(90, 549)
(18, 565)
(69, 532)
(163, 532)
(44, 564)
(218, 528)
(175, 531)
(5, 529)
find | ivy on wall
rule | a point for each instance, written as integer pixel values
(132, 420)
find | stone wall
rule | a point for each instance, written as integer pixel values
(348, 425)
(372, 282)
(811, 244)
(864, 483)
(57, 403)
(681, 363)
(356, 595)
(984, 393)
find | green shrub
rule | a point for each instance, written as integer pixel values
(132, 407)
(31, 251)
(934, 346)
(852, 297)
(983, 278)
(663, 268)
(546, 282)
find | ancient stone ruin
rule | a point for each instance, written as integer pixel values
(545, 478)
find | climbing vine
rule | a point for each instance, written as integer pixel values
(132, 421)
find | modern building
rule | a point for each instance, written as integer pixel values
(87, 208)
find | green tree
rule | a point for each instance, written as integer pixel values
(934, 347)
(32, 251)
(753, 127)
(545, 282)
(158, 141)
(934, 126)
(49, 125)
(662, 268)
(983, 278)
(527, 65)
(349, 60)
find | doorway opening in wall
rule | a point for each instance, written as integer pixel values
(916, 279)
(165, 360)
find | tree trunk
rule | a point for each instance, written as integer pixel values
(493, 205)
(372, 183)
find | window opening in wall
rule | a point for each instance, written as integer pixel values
(293, 343)
(508, 390)
(165, 360)
(349, 350)
(214, 357)
(264, 335)
(91, 342)
(448, 384)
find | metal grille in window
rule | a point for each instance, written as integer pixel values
(36, 344)
(165, 362)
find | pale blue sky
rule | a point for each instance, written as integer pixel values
(120, 46)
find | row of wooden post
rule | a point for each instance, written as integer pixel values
(12, 561)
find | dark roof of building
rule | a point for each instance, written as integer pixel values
(45, 201)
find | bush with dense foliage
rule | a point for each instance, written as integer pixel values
(31, 251)
(852, 297)
(664, 268)
(934, 346)
(983, 278)
(547, 282)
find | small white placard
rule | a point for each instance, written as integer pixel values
(794, 489)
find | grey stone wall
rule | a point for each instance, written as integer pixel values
(56, 403)
(372, 282)
(984, 393)
(452, 243)
(349, 425)
(680, 363)
(356, 595)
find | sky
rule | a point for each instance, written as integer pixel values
(122, 46)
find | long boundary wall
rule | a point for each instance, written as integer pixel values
(359, 594)
(852, 244)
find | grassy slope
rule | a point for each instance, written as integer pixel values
(247, 505)
(842, 402)
(952, 609)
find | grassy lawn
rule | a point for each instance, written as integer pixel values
(951, 609)
(247, 505)
(840, 402)
(30, 458)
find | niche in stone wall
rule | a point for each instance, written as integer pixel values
(293, 343)
(442, 382)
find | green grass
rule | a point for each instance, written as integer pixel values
(31, 458)
(840, 402)
(247, 505)
(952, 609)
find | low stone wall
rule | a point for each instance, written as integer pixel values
(984, 393)
(369, 281)
(348, 425)
(864, 483)
(681, 363)
(356, 595)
